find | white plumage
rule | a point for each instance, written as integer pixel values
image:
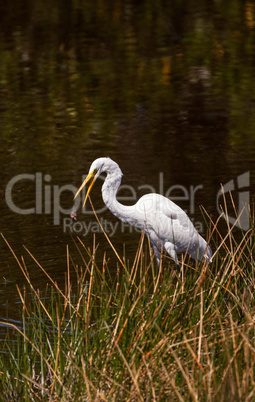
(167, 225)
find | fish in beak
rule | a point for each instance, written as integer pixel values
(92, 175)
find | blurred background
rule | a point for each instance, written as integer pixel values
(166, 88)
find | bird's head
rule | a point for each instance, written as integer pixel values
(99, 166)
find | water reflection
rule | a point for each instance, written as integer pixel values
(160, 87)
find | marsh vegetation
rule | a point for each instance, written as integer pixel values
(137, 333)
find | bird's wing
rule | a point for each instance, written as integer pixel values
(166, 221)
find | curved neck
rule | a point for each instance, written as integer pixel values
(109, 192)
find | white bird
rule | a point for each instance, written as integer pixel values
(167, 225)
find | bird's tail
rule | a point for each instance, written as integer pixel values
(200, 250)
(207, 256)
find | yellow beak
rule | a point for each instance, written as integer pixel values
(90, 175)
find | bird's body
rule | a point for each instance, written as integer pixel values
(165, 223)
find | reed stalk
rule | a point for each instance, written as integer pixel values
(137, 334)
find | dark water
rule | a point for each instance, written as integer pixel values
(164, 88)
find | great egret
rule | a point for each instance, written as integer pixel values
(166, 224)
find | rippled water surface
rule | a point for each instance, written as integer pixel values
(164, 88)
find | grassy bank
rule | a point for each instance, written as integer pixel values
(138, 334)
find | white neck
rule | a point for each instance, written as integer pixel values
(109, 192)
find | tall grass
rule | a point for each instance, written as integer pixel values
(138, 334)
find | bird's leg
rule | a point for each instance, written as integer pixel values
(155, 248)
(157, 254)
